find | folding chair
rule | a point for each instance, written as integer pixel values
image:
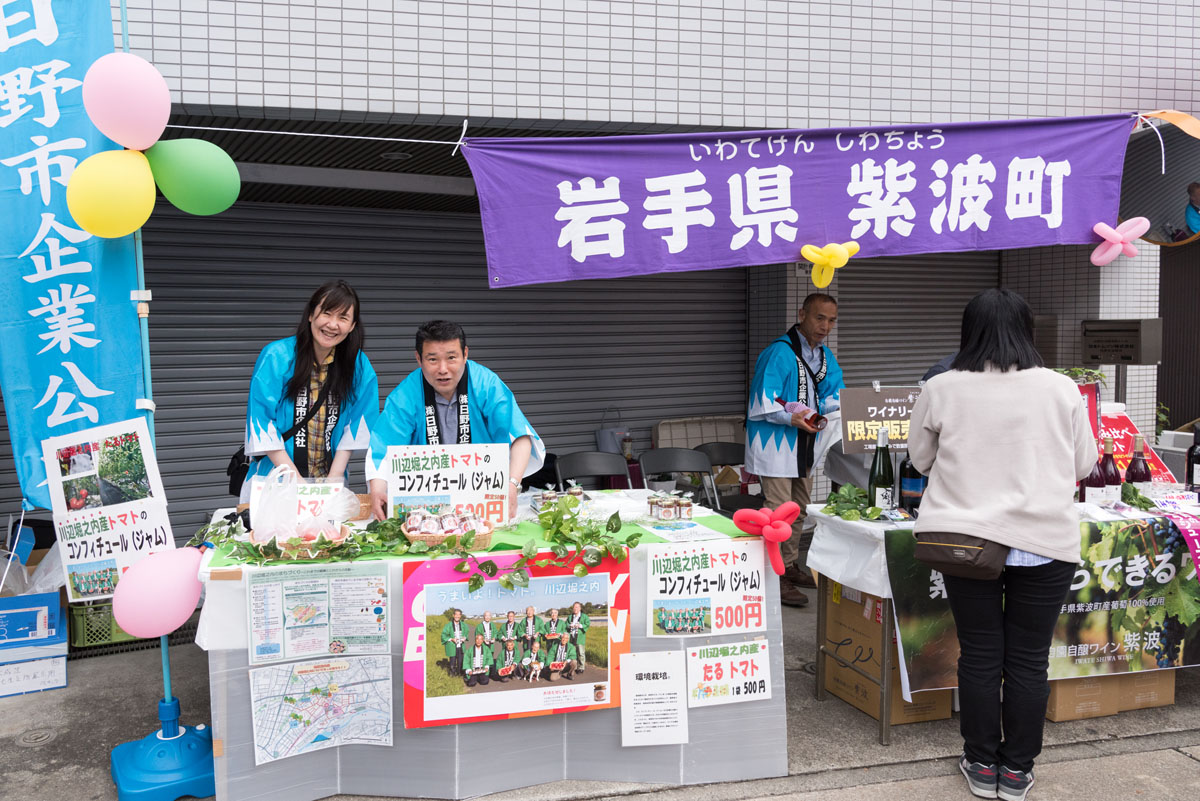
(582, 464)
(680, 460)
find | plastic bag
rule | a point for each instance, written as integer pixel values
(48, 575)
(12, 574)
(274, 516)
(342, 506)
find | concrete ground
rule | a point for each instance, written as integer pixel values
(54, 746)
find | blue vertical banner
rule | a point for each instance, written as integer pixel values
(71, 357)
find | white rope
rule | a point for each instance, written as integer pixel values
(13, 554)
(455, 144)
(1161, 146)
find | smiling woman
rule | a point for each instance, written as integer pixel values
(318, 388)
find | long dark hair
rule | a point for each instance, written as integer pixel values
(997, 329)
(331, 296)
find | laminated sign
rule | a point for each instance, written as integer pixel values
(866, 411)
(108, 501)
(462, 478)
(705, 588)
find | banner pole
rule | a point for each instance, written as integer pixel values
(143, 306)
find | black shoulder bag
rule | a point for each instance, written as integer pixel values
(239, 465)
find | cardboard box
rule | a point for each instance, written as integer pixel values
(1145, 689)
(1086, 697)
(853, 626)
(31, 619)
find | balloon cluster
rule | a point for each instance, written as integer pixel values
(111, 193)
(827, 259)
(773, 525)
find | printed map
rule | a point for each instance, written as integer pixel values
(307, 706)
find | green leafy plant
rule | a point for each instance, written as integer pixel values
(384, 540)
(1131, 496)
(851, 503)
(1083, 375)
(1162, 419)
(579, 541)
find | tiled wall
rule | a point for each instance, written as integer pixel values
(1061, 281)
(770, 63)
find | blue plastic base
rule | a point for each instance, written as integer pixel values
(155, 769)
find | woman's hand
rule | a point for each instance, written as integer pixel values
(378, 498)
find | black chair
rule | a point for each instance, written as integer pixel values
(730, 453)
(680, 460)
(583, 464)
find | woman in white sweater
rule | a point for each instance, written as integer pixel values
(1004, 442)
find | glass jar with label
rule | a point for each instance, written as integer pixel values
(684, 508)
(652, 502)
(667, 509)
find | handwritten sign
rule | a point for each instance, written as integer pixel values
(728, 673)
(463, 478)
(705, 588)
(865, 412)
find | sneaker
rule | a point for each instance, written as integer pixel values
(1014, 784)
(981, 778)
(790, 595)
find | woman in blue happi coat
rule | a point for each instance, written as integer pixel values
(322, 364)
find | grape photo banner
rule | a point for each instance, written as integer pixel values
(561, 209)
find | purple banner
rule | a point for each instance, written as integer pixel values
(560, 209)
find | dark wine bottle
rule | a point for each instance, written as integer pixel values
(1138, 472)
(1093, 489)
(1193, 461)
(912, 485)
(1108, 466)
(881, 488)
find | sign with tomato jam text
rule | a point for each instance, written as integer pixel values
(108, 501)
(699, 589)
(1122, 430)
(865, 411)
(728, 674)
(460, 478)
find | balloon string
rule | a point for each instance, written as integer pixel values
(1161, 146)
(455, 144)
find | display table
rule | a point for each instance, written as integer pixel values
(852, 553)
(727, 743)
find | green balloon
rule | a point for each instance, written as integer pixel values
(196, 176)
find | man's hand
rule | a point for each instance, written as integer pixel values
(799, 421)
(378, 499)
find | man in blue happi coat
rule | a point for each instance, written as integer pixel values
(779, 445)
(451, 400)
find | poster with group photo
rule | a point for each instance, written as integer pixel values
(699, 589)
(108, 503)
(552, 646)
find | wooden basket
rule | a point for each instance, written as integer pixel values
(482, 538)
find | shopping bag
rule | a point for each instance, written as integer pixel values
(609, 438)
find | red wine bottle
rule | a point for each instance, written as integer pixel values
(815, 420)
(912, 485)
(1094, 488)
(1108, 466)
(1193, 461)
(1138, 472)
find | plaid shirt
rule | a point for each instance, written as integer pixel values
(316, 425)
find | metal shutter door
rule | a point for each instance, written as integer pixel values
(898, 316)
(661, 346)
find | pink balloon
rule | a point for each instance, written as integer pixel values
(158, 594)
(1118, 240)
(127, 99)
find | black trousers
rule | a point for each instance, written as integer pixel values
(1005, 626)
(456, 661)
(476, 678)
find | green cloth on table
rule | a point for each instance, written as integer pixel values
(506, 539)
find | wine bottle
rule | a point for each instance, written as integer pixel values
(912, 485)
(1193, 461)
(815, 420)
(1112, 474)
(1095, 490)
(881, 488)
(1138, 472)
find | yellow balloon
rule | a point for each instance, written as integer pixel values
(111, 194)
(822, 275)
